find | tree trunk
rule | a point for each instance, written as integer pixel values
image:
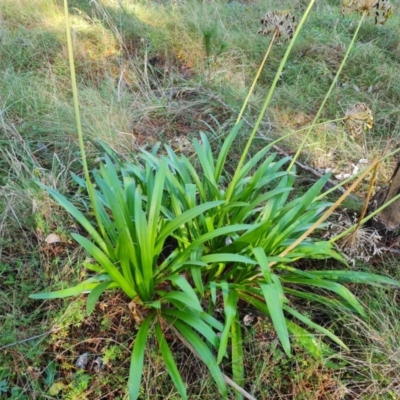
(390, 216)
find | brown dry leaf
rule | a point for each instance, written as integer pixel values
(52, 238)
(134, 309)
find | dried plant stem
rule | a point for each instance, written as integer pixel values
(371, 186)
(366, 219)
(30, 338)
(344, 182)
(361, 220)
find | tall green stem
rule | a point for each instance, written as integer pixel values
(256, 78)
(75, 91)
(328, 93)
(89, 185)
(266, 103)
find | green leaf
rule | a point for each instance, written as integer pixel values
(185, 217)
(262, 259)
(230, 310)
(207, 318)
(183, 298)
(316, 249)
(84, 287)
(205, 157)
(278, 285)
(304, 338)
(184, 285)
(254, 161)
(112, 175)
(127, 256)
(191, 194)
(270, 210)
(227, 258)
(177, 165)
(324, 300)
(213, 291)
(94, 296)
(261, 179)
(108, 229)
(356, 277)
(223, 153)
(136, 368)
(155, 205)
(93, 267)
(71, 209)
(332, 286)
(196, 322)
(252, 235)
(105, 262)
(211, 321)
(237, 354)
(196, 244)
(147, 251)
(205, 355)
(170, 363)
(197, 279)
(315, 326)
(275, 306)
(310, 196)
(196, 179)
(309, 342)
(251, 208)
(154, 304)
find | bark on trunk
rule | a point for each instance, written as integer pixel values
(390, 216)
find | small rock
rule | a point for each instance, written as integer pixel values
(82, 361)
(98, 365)
(228, 241)
(52, 238)
(248, 319)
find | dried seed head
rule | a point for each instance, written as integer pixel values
(360, 244)
(382, 9)
(281, 22)
(358, 118)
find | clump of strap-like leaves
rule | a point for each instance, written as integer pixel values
(168, 236)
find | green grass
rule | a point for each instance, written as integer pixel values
(145, 75)
(372, 366)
